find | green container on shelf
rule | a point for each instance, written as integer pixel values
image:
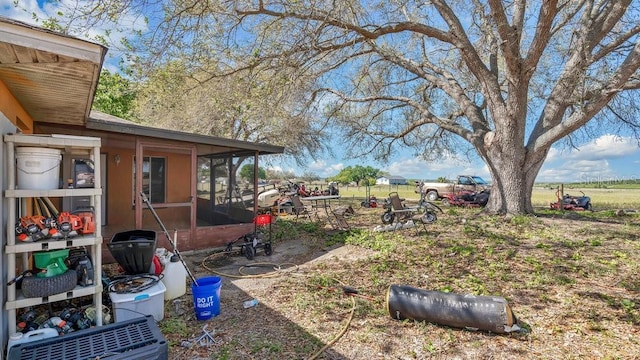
(52, 261)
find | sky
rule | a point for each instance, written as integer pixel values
(602, 160)
(606, 158)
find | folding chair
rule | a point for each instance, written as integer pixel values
(299, 209)
(341, 215)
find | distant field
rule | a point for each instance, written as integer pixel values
(601, 199)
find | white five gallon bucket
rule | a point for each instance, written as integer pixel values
(38, 168)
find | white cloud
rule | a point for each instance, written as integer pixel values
(592, 160)
(606, 146)
(553, 155)
(323, 169)
(275, 168)
(580, 170)
(408, 168)
(23, 12)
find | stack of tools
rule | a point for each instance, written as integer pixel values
(64, 320)
(49, 223)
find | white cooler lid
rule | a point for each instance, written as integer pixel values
(154, 290)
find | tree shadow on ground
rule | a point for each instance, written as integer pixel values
(259, 332)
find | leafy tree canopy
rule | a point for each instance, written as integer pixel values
(276, 174)
(247, 171)
(114, 95)
(503, 80)
(356, 174)
(260, 106)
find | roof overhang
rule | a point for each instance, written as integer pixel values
(207, 145)
(54, 79)
(53, 76)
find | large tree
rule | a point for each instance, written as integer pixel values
(115, 95)
(246, 172)
(356, 174)
(504, 79)
(260, 106)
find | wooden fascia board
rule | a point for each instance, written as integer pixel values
(44, 40)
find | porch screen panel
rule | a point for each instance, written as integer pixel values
(154, 178)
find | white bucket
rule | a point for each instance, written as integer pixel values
(38, 168)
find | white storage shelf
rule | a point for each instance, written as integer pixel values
(52, 193)
(69, 145)
(23, 302)
(51, 245)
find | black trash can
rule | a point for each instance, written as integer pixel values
(134, 250)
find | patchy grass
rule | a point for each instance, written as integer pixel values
(571, 279)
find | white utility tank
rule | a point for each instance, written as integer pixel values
(33, 335)
(174, 277)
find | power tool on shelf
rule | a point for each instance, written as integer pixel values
(52, 262)
(80, 261)
(69, 224)
(31, 228)
(88, 222)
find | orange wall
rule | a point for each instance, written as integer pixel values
(12, 109)
(119, 194)
(179, 182)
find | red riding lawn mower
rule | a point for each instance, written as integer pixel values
(466, 199)
(571, 203)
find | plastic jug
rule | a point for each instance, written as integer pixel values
(175, 278)
(33, 335)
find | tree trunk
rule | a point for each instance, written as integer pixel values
(512, 180)
(510, 194)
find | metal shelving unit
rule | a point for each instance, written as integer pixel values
(69, 146)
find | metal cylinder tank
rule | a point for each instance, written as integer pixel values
(489, 313)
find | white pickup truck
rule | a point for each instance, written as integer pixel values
(437, 190)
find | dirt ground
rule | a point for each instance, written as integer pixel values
(243, 280)
(571, 280)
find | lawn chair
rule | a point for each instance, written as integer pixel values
(401, 214)
(299, 209)
(341, 215)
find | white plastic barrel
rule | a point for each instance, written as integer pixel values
(38, 168)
